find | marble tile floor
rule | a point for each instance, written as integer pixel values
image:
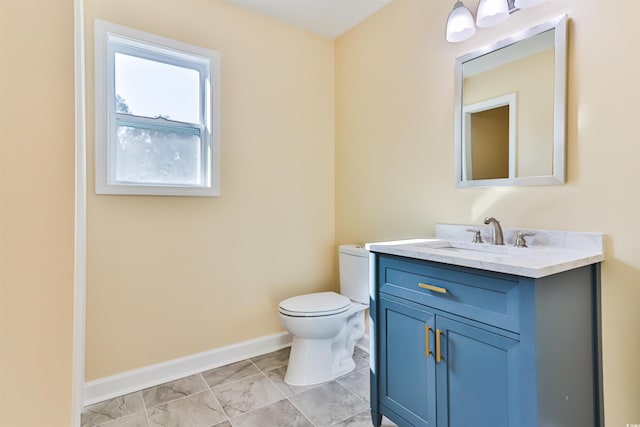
(248, 393)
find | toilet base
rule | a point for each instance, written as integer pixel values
(313, 361)
(310, 362)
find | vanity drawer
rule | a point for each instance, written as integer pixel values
(489, 298)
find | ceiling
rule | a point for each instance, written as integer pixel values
(329, 18)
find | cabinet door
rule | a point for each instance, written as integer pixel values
(477, 377)
(407, 372)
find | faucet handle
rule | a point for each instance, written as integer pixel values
(477, 237)
(520, 241)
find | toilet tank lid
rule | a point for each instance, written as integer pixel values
(357, 250)
(316, 302)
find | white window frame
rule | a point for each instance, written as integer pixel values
(111, 38)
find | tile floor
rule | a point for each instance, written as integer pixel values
(248, 393)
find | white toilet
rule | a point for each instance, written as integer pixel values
(326, 326)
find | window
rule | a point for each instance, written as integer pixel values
(157, 118)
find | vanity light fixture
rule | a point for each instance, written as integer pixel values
(460, 23)
(492, 12)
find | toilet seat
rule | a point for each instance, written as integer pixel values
(315, 305)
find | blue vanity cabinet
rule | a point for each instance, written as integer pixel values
(472, 371)
(406, 362)
(477, 376)
(458, 347)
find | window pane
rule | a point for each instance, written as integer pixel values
(157, 157)
(155, 89)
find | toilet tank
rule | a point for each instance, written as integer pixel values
(354, 273)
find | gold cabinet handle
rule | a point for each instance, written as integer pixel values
(438, 357)
(427, 350)
(432, 288)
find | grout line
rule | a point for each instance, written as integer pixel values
(300, 410)
(216, 399)
(144, 402)
(271, 381)
(237, 381)
(356, 396)
(121, 415)
(226, 417)
(146, 411)
(179, 398)
(106, 423)
(259, 407)
(260, 372)
(285, 397)
(233, 381)
(254, 365)
(208, 389)
(288, 398)
(146, 415)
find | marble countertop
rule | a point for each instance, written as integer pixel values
(549, 251)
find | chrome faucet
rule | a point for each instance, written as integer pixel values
(496, 230)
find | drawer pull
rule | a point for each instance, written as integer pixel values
(426, 337)
(438, 356)
(432, 288)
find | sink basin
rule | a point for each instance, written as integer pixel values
(472, 248)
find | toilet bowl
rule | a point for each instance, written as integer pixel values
(326, 325)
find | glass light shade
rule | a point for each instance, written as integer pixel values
(523, 4)
(492, 12)
(460, 24)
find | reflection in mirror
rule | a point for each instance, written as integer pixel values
(489, 138)
(510, 110)
(489, 154)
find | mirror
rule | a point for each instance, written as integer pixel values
(511, 110)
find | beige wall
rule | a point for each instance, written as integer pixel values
(173, 276)
(394, 150)
(36, 212)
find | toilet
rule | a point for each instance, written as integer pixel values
(326, 325)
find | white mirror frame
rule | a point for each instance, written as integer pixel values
(558, 176)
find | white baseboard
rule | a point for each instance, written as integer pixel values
(149, 376)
